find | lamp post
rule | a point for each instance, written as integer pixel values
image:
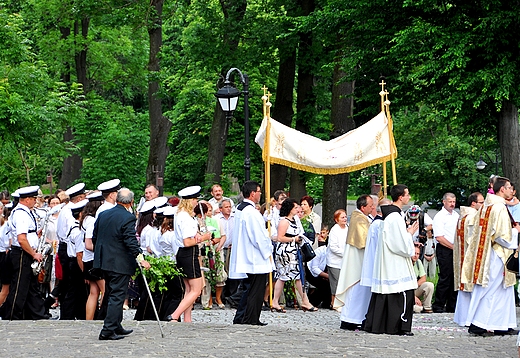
(481, 164)
(228, 98)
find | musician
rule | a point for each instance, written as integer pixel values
(75, 248)
(65, 221)
(24, 300)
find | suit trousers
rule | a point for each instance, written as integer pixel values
(445, 294)
(250, 306)
(117, 288)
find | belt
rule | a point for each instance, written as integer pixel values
(16, 248)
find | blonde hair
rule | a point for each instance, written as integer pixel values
(185, 205)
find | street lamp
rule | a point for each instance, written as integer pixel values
(228, 99)
(481, 164)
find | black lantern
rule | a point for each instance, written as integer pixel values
(228, 99)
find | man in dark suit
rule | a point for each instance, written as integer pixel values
(116, 253)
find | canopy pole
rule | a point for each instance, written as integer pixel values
(267, 172)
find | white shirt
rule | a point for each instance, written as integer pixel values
(336, 247)
(4, 237)
(22, 221)
(169, 245)
(317, 264)
(184, 227)
(65, 222)
(143, 238)
(226, 227)
(75, 242)
(105, 206)
(445, 224)
(88, 228)
(152, 241)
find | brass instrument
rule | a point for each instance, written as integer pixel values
(44, 247)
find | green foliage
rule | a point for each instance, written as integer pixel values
(161, 271)
(114, 141)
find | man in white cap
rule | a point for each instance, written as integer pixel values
(24, 300)
(109, 191)
(64, 224)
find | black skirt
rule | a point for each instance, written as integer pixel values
(6, 270)
(188, 261)
(89, 274)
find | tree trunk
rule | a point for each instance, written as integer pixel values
(159, 125)
(335, 186)
(81, 52)
(217, 146)
(306, 99)
(283, 107)
(509, 140)
(72, 165)
(233, 12)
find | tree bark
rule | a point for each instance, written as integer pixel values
(72, 165)
(335, 186)
(217, 146)
(509, 140)
(159, 125)
(283, 107)
(306, 99)
(233, 12)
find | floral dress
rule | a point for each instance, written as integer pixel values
(287, 267)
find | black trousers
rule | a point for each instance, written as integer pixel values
(445, 294)
(67, 289)
(321, 295)
(250, 306)
(24, 300)
(117, 288)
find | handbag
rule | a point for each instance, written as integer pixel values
(307, 252)
(512, 262)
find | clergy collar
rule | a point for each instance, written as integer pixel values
(388, 209)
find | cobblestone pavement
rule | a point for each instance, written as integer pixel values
(295, 333)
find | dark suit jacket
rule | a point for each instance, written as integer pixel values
(115, 243)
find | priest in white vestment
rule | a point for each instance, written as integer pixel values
(393, 283)
(492, 305)
(351, 297)
(464, 233)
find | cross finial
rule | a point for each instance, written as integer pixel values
(264, 88)
(383, 83)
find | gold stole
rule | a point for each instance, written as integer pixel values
(460, 237)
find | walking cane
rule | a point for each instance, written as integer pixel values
(151, 299)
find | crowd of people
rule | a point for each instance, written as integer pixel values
(78, 250)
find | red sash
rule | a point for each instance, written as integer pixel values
(484, 226)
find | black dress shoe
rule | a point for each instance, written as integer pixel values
(123, 332)
(110, 337)
(408, 334)
(260, 324)
(349, 326)
(509, 332)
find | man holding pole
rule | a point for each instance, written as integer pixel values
(115, 252)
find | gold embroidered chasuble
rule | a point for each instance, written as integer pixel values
(493, 222)
(358, 229)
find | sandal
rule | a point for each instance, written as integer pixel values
(279, 310)
(312, 309)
